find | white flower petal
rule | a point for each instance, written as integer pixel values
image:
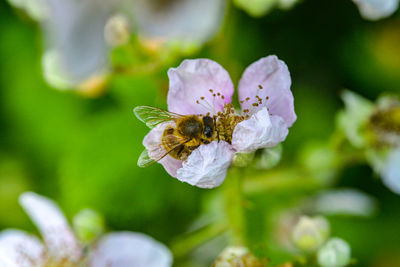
(183, 20)
(191, 82)
(273, 76)
(76, 30)
(130, 249)
(356, 113)
(152, 143)
(57, 234)
(259, 131)
(19, 249)
(52, 71)
(344, 202)
(376, 9)
(206, 167)
(391, 172)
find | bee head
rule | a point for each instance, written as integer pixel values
(208, 127)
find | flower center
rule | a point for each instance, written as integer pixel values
(226, 121)
(385, 125)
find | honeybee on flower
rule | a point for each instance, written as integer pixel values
(196, 139)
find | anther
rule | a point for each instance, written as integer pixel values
(247, 98)
(218, 94)
(259, 86)
(202, 98)
(245, 110)
(255, 104)
(222, 96)
(197, 102)
(211, 90)
(267, 98)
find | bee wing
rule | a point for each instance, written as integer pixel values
(152, 116)
(145, 160)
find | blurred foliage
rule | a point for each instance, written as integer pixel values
(83, 151)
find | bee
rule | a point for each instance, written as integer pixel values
(181, 137)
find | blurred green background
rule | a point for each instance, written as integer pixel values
(82, 152)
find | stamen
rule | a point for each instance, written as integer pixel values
(259, 86)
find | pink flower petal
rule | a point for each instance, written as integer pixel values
(273, 76)
(130, 249)
(19, 249)
(206, 167)
(152, 142)
(191, 82)
(57, 234)
(260, 131)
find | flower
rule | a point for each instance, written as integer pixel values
(335, 253)
(203, 87)
(78, 34)
(375, 129)
(376, 9)
(310, 233)
(61, 248)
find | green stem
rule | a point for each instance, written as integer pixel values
(234, 205)
(187, 243)
(279, 180)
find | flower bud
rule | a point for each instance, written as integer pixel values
(88, 225)
(335, 253)
(117, 30)
(269, 157)
(237, 256)
(310, 233)
(242, 159)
